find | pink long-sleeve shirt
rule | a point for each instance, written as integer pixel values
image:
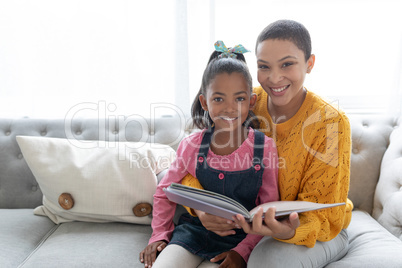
(240, 159)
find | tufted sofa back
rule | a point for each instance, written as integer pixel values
(370, 140)
(18, 187)
(388, 195)
(376, 161)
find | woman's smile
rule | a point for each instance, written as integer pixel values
(279, 90)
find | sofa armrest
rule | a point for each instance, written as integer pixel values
(388, 195)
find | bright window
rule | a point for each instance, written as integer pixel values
(100, 58)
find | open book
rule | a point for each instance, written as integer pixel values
(226, 207)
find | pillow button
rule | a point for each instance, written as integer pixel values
(142, 209)
(66, 201)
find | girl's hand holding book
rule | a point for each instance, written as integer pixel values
(216, 224)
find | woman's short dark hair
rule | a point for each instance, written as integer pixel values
(289, 30)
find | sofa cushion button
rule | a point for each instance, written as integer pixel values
(8, 133)
(66, 201)
(142, 209)
(20, 156)
(355, 151)
(43, 133)
(34, 188)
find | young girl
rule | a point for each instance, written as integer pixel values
(228, 157)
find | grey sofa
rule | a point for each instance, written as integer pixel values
(27, 240)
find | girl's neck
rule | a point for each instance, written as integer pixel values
(226, 142)
(281, 114)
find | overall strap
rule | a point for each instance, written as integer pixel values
(259, 142)
(205, 143)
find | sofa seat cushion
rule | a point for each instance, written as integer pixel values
(20, 234)
(88, 244)
(370, 244)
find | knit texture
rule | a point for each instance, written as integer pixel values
(191, 181)
(314, 164)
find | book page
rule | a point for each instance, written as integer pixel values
(287, 207)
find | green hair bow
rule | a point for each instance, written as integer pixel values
(229, 53)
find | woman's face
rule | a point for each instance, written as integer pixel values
(282, 69)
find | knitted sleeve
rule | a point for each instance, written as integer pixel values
(326, 177)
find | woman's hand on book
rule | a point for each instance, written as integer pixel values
(269, 226)
(218, 225)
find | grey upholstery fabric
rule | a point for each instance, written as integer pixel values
(388, 195)
(370, 139)
(370, 245)
(20, 234)
(27, 240)
(84, 244)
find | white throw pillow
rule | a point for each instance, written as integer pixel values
(101, 183)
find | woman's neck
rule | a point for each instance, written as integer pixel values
(226, 142)
(281, 114)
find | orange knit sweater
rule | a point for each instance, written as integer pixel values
(314, 164)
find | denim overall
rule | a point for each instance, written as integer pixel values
(243, 186)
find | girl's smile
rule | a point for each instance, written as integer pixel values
(228, 119)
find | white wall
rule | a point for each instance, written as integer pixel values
(122, 55)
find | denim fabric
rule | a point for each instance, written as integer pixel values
(243, 186)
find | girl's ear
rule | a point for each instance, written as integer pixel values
(253, 100)
(310, 63)
(203, 102)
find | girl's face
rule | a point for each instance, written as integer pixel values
(282, 69)
(228, 101)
